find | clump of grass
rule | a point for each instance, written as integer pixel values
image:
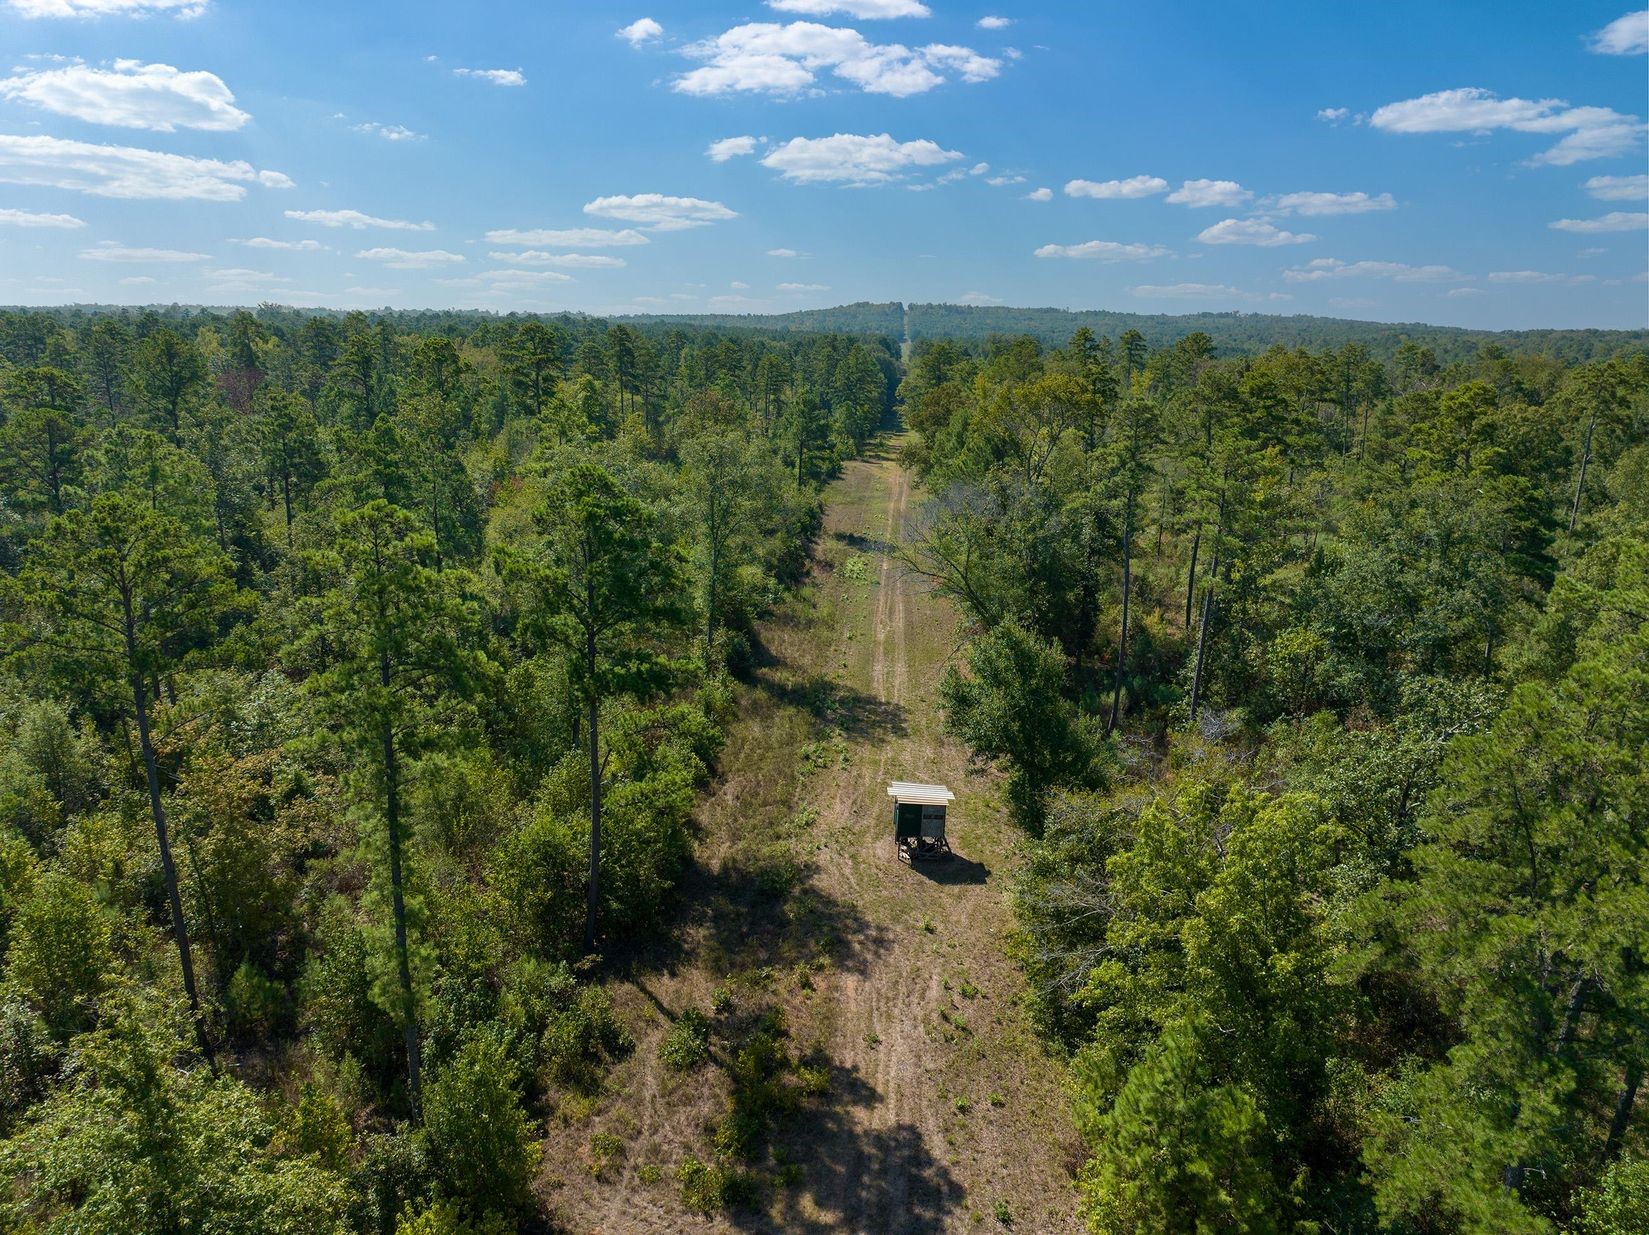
(1004, 1215)
(605, 1152)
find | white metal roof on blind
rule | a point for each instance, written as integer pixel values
(920, 795)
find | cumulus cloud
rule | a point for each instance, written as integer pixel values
(1625, 36)
(127, 171)
(1618, 188)
(114, 251)
(571, 237)
(357, 220)
(30, 218)
(783, 253)
(1614, 221)
(1104, 251)
(804, 287)
(1134, 186)
(659, 212)
(1589, 132)
(239, 278)
(994, 23)
(497, 77)
(642, 30)
(1333, 268)
(1251, 231)
(851, 158)
(768, 58)
(411, 259)
(1040, 195)
(1333, 115)
(730, 148)
(864, 10)
(291, 246)
(1320, 204)
(106, 8)
(566, 261)
(389, 132)
(130, 95)
(1210, 193)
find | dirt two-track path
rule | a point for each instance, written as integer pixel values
(943, 1112)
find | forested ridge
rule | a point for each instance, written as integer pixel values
(341, 654)
(1322, 689)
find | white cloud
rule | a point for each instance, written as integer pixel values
(994, 23)
(242, 278)
(1614, 221)
(127, 171)
(730, 148)
(1321, 204)
(138, 280)
(864, 10)
(409, 259)
(642, 30)
(1251, 231)
(1458, 293)
(292, 246)
(978, 298)
(389, 132)
(1619, 188)
(566, 261)
(1333, 268)
(1625, 36)
(114, 251)
(1537, 276)
(783, 253)
(852, 158)
(804, 287)
(738, 286)
(660, 212)
(1003, 181)
(1104, 251)
(1210, 193)
(1590, 132)
(29, 218)
(768, 58)
(1040, 195)
(579, 237)
(1201, 291)
(1356, 302)
(498, 77)
(1333, 115)
(102, 8)
(357, 220)
(130, 95)
(1134, 186)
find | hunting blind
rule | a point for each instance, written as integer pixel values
(919, 820)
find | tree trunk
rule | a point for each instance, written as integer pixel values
(1202, 646)
(592, 904)
(403, 962)
(286, 498)
(1580, 480)
(710, 599)
(168, 867)
(1623, 1114)
(1191, 576)
(1122, 640)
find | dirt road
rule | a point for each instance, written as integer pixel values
(943, 1113)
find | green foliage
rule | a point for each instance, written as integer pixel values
(481, 1150)
(687, 1045)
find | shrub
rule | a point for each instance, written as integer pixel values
(687, 1045)
(445, 1218)
(479, 1141)
(584, 1038)
(61, 953)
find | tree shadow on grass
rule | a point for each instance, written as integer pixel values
(865, 544)
(853, 1178)
(856, 713)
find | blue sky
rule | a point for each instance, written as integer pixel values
(1463, 163)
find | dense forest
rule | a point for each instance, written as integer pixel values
(359, 679)
(1230, 333)
(1322, 689)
